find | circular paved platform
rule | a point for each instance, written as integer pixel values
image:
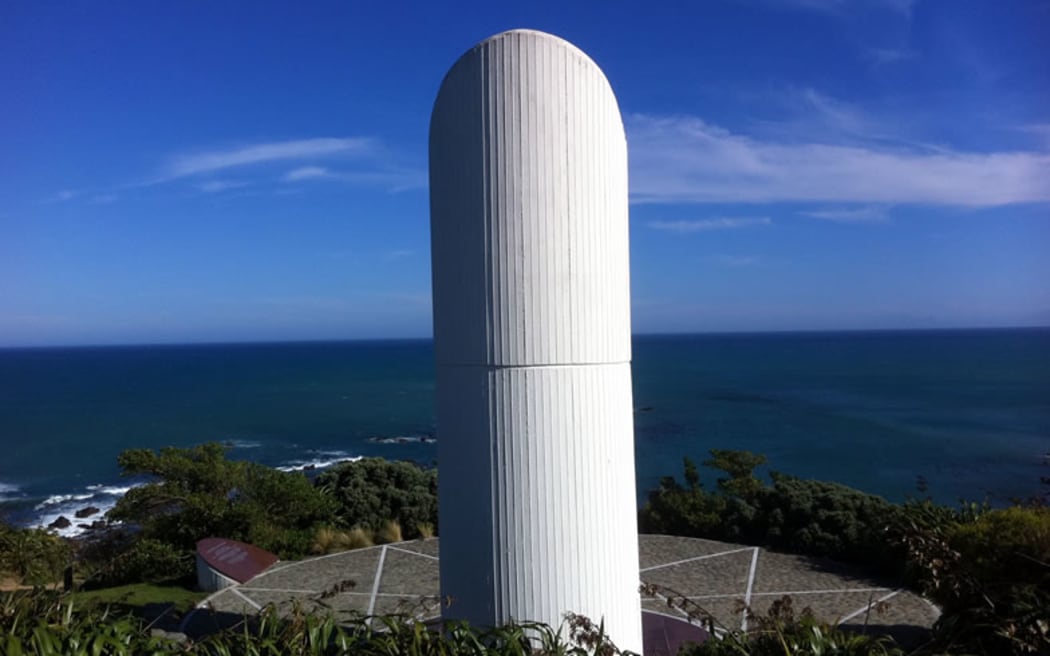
(718, 577)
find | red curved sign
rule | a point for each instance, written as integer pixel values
(236, 560)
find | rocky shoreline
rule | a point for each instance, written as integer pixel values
(100, 524)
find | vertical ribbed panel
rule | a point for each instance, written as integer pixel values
(528, 185)
(537, 495)
(528, 180)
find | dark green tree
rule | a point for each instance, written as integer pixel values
(740, 465)
(371, 491)
(196, 493)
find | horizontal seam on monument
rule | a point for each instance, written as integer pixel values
(533, 366)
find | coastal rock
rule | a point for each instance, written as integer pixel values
(99, 523)
(85, 512)
(60, 523)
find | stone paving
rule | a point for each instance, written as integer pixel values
(718, 577)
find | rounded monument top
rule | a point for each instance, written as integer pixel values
(534, 36)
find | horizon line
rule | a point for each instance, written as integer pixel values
(711, 333)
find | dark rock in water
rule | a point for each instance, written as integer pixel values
(60, 523)
(309, 467)
(645, 408)
(99, 523)
(85, 512)
(86, 527)
(741, 397)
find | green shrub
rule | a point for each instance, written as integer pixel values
(1012, 543)
(370, 492)
(33, 556)
(146, 561)
(802, 516)
(820, 518)
(990, 573)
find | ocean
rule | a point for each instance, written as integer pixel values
(968, 412)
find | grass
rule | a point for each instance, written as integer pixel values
(138, 595)
(389, 532)
(359, 537)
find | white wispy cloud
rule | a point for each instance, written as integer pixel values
(683, 159)
(365, 162)
(62, 196)
(833, 113)
(306, 173)
(184, 165)
(396, 179)
(866, 214)
(215, 186)
(809, 116)
(704, 225)
(1038, 128)
(1041, 130)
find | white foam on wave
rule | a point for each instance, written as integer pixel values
(45, 519)
(404, 439)
(113, 490)
(9, 492)
(60, 499)
(243, 444)
(334, 454)
(335, 457)
(100, 496)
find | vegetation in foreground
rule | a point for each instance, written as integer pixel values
(44, 622)
(988, 569)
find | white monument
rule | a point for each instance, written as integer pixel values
(528, 194)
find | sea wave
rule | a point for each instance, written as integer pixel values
(9, 492)
(404, 439)
(61, 499)
(322, 459)
(99, 495)
(242, 444)
(114, 490)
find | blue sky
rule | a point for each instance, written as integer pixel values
(197, 171)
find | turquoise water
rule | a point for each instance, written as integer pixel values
(967, 410)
